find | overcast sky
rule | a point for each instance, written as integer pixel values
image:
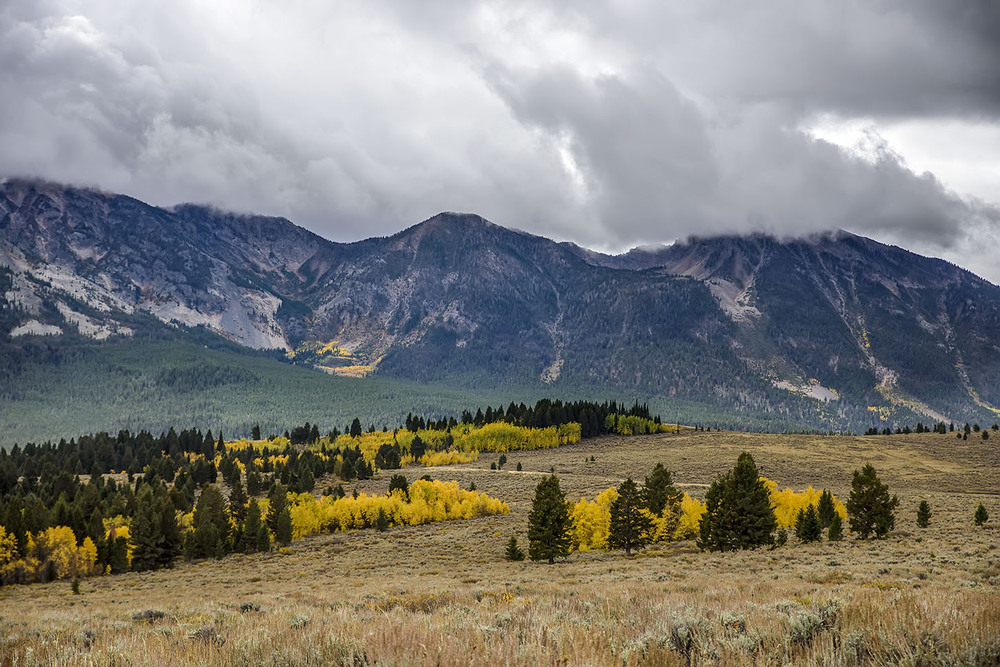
(610, 124)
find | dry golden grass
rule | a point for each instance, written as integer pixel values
(442, 594)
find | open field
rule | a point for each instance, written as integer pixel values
(442, 593)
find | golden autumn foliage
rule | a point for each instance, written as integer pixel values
(52, 552)
(428, 502)
(631, 425)
(464, 438)
(446, 458)
(592, 521)
(787, 503)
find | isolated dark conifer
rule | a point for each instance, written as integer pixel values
(870, 507)
(630, 527)
(549, 522)
(738, 512)
(982, 515)
(513, 551)
(923, 514)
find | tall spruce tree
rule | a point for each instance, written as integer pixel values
(211, 526)
(836, 532)
(825, 509)
(660, 491)
(870, 507)
(549, 522)
(630, 527)
(277, 501)
(738, 512)
(237, 501)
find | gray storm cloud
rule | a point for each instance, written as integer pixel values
(592, 122)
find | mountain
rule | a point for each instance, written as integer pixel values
(830, 331)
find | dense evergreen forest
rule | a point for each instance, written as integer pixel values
(105, 503)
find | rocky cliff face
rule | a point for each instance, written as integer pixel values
(837, 324)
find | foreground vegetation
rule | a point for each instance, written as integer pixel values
(444, 594)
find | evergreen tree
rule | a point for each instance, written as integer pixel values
(738, 512)
(381, 521)
(211, 526)
(398, 482)
(982, 515)
(356, 428)
(836, 532)
(807, 528)
(549, 522)
(660, 491)
(155, 536)
(251, 527)
(363, 469)
(417, 448)
(513, 552)
(277, 502)
(283, 527)
(825, 509)
(255, 432)
(237, 501)
(870, 507)
(630, 526)
(923, 514)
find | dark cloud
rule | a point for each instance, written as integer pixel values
(608, 124)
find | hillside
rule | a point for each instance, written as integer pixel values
(826, 332)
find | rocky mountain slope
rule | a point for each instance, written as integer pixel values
(832, 331)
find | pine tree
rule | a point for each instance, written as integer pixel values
(355, 428)
(398, 482)
(836, 532)
(237, 501)
(982, 515)
(417, 448)
(738, 512)
(825, 509)
(211, 526)
(283, 528)
(513, 552)
(807, 527)
(549, 522)
(660, 491)
(630, 526)
(381, 521)
(923, 514)
(255, 432)
(252, 525)
(277, 501)
(870, 508)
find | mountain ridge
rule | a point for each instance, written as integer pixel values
(834, 329)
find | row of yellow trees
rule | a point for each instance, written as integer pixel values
(592, 518)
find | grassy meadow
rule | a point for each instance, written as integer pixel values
(442, 594)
